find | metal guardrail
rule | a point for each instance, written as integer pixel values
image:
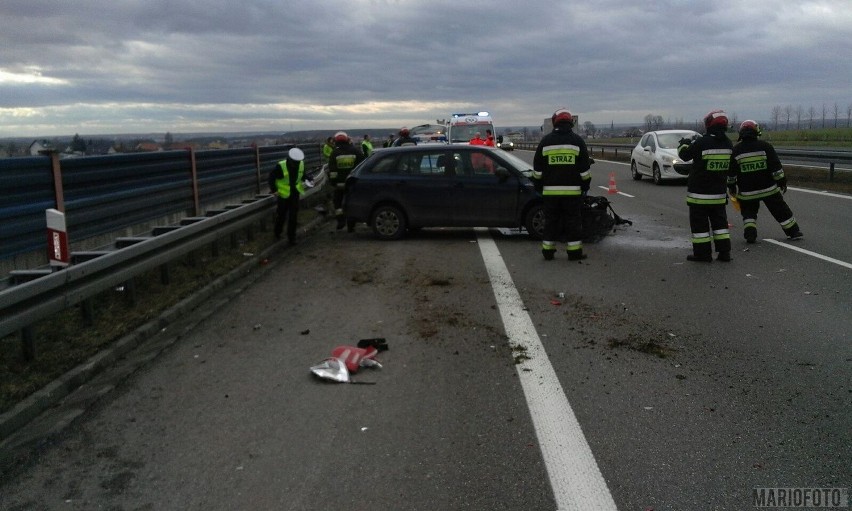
(810, 155)
(104, 194)
(25, 304)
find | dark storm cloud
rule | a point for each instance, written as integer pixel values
(262, 64)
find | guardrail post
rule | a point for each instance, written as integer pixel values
(87, 307)
(56, 170)
(831, 171)
(28, 343)
(193, 170)
(165, 274)
(257, 167)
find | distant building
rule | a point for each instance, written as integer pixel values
(147, 147)
(39, 145)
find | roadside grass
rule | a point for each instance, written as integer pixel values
(65, 341)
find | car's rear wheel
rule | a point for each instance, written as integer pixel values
(658, 179)
(634, 170)
(534, 221)
(388, 222)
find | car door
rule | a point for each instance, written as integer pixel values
(485, 192)
(645, 158)
(425, 187)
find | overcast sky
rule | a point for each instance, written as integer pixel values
(132, 66)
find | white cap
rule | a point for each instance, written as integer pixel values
(296, 154)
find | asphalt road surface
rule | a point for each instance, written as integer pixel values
(634, 380)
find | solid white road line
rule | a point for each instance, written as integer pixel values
(575, 478)
(812, 254)
(821, 192)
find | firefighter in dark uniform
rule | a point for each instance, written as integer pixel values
(706, 189)
(756, 175)
(561, 171)
(286, 179)
(404, 138)
(344, 157)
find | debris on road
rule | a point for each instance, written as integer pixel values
(347, 360)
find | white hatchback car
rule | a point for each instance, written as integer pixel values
(656, 156)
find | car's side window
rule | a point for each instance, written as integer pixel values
(425, 164)
(385, 166)
(462, 164)
(483, 164)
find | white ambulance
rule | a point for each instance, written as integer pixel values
(462, 127)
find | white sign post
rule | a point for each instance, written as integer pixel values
(57, 238)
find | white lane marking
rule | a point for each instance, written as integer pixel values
(821, 192)
(619, 193)
(812, 254)
(575, 478)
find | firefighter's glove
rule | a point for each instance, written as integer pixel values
(782, 184)
(684, 142)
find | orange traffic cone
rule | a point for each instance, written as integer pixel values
(612, 188)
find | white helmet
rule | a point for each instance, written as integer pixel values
(296, 154)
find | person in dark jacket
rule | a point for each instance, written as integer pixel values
(757, 175)
(404, 138)
(706, 189)
(561, 171)
(343, 159)
(286, 180)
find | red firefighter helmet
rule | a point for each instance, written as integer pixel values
(749, 128)
(341, 136)
(403, 132)
(562, 116)
(716, 119)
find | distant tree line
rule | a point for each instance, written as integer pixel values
(781, 118)
(789, 117)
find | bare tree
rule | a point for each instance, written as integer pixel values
(836, 113)
(848, 115)
(823, 115)
(653, 122)
(811, 115)
(788, 110)
(799, 113)
(776, 116)
(733, 121)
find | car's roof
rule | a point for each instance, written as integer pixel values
(432, 147)
(662, 132)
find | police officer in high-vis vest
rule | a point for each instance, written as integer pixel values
(286, 180)
(706, 188)
(561, 171)
(756, 175)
